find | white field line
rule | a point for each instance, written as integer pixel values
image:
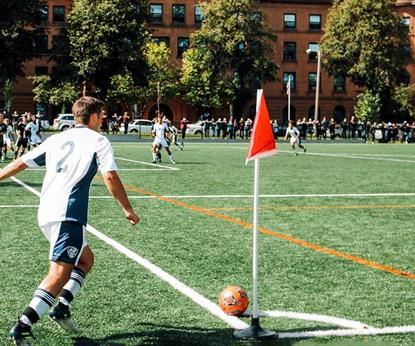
(347, 332)
(148, 163)
(233, 321)
(316, 318)
(19, 206)
(350, 156)
(119, 169)
(344, 195)
(172, 281)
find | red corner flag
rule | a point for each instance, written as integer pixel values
(262, 143)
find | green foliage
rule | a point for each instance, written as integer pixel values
(122, 89)
(368, 106)
(364, 40)
(229, 57)
(162, 74)
(19, 27)
(107, 38)
(52, 92)
(404, 99)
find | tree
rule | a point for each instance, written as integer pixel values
(368, 106)
(52, 92)
(229, 57)
(19, 29)
(364, 40)
(163, 83)
(107, 38)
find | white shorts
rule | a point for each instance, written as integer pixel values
(67, 241)
(35, 139)
(160, 141)
(293, 140)
(8, 142)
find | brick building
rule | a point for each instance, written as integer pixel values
(299, 25)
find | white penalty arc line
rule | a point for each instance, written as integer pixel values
(345, 195)
(233, 321)
(148, 163)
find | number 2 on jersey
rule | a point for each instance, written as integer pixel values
(68, 147)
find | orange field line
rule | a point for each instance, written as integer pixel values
(408, 206)
(286, 237)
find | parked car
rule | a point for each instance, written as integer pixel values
(142, 126)
(64, 121)
(195, 129)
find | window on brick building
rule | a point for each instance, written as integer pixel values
(43, 11)
(57, 42)
(42, 44)
(198, 15)
(58, 14)
(160, 39)
(314, 48)
(406, 21)
(312, 81)
(41, 70)
(339, 84)
(315, 22)
(156, 13)
(290, 20)
(178, 14)
(293, 80)
(182, 45)
(290, 51)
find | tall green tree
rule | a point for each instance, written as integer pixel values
(107, 38)
(364, 40)
(19, 29)
(229, 57)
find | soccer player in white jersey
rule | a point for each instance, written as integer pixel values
(33, 126)
(294, 134)
(72, 159)
(159, 134)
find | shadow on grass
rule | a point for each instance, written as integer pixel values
(153, 334)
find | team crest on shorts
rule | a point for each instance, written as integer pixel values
(72, 251)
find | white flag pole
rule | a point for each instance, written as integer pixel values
(255, 241)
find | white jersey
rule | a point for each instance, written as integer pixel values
(34, 129)
(293, 132)
(72, 159)
(160, 130)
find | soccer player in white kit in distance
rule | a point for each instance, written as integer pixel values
(159, 133)
(294, 134)
(72, 159)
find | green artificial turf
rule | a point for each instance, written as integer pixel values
(123, 303)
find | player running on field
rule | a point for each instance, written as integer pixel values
(72, 159)
(294, 134)
(159, 133)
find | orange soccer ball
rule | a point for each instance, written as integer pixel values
(233, 300)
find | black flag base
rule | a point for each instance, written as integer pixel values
(255, 332)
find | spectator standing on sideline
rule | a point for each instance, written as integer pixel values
(72, 159)
(275, 129)
(125, 121)
(324, 126)
(183, 128)
(345, 128)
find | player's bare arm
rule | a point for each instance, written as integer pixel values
(116, 188)
(12, 169)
